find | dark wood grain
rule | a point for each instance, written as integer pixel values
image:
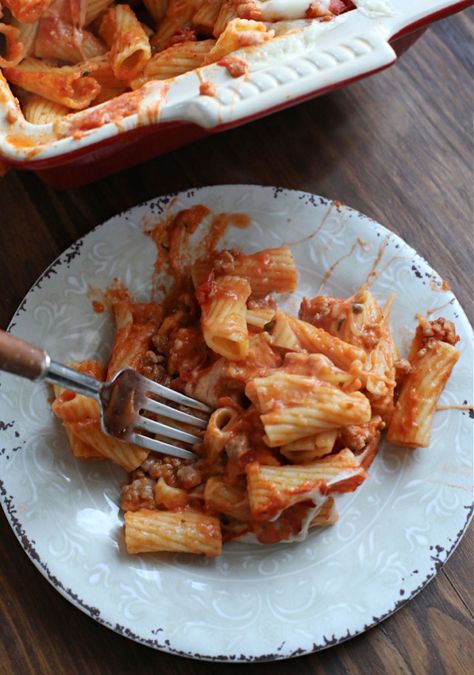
(399, 148)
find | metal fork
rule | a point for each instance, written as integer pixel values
(122, 401)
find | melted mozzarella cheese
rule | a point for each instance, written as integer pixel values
(375, 8)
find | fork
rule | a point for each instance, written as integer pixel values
(123, 400)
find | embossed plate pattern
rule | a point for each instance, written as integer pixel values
(252, 602)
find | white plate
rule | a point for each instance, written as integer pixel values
(252, 602)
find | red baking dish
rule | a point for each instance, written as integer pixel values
(167, 115)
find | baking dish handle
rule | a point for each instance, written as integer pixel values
(288, 71)
(352, 51)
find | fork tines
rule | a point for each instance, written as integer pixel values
(151, 405)
(160, 446)
(175, 396)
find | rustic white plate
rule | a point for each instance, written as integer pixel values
(252, 602)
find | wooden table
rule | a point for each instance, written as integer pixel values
(398, 147)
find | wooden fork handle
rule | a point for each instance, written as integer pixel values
(21, 358)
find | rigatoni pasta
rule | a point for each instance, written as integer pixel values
(433, 356)
(27, 11)
(177, 18)
(26, 36)
(128, 42)
(206, 15)
(39, 110)
(185, 532)
(272, 489)
(56, 39)
(237, 33)
(299, 336)
(70, 86)
(269, 271)
(80, 416)
(297, 406)
(135, 328)
(360, 321)
(175, 60)
(223, 305)
(311, 447)
(299, 403)
(13, 50)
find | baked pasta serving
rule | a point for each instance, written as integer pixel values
(299, 402)
(63, 56)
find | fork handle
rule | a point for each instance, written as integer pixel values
(21, 358)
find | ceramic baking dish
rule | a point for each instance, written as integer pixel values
(165, 115)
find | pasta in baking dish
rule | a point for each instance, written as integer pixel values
(63, 56)
(299, 402)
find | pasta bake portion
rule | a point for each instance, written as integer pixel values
(63, 56)
(299, 402)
